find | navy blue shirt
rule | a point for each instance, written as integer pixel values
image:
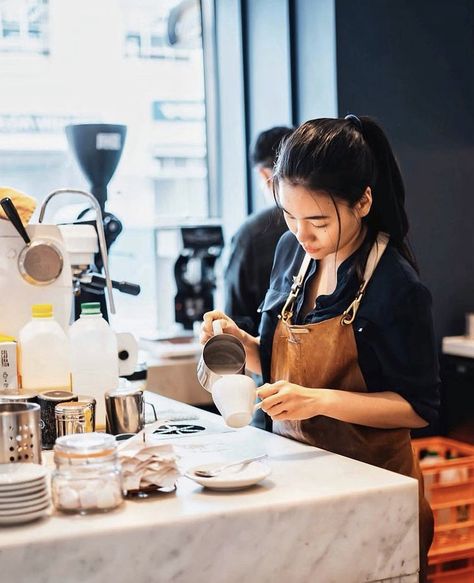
(393, 327)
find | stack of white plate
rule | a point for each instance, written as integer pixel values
(24, 493)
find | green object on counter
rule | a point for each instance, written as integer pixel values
(90, 308)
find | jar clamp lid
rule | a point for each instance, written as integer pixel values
(85, 445)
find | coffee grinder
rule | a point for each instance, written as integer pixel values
(194, 272)
(98, 148)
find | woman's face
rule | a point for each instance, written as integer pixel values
(313, 219)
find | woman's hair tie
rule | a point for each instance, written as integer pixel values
(355, 120)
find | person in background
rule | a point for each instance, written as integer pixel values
(253, 246)
(346, 344)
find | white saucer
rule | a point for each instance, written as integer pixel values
(20, 490)
(27, 517)
(43, 505)
(23, 496)
(20, 505)
(233, 478)
(12, 474)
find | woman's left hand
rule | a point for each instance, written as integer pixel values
(285, 401)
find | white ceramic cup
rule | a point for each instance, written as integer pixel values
(234, 396)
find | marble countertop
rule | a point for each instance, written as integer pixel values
(318, 516)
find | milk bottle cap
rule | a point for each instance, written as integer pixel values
(42, 311)
(90, 308)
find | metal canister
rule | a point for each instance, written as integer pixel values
(75, 417)
(48, 402)
(18, 396)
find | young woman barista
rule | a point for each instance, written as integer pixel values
(346, 340)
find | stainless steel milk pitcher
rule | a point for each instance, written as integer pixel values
(125, 410)
(221, 355)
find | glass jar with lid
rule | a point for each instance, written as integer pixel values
(88, 476)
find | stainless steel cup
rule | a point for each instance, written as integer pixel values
(125, 409)
(20, 433)
(221, 355)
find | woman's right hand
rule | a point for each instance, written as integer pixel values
(227, 324)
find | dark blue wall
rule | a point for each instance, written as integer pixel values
(411, 66)
(408, 63)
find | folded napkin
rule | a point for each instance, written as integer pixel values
(145, 466)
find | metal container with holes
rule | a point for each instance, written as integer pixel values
(20, 433)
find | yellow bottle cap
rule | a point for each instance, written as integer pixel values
(5, 338)
(42, 310)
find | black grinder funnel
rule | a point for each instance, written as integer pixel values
(98, 148)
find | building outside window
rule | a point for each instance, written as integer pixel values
(24, 27)
(133, 62)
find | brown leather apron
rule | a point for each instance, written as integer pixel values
(325, 355)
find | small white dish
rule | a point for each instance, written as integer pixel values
(27, 517)
(20, 512)
(12, 474)
(233, 478)
(23, 497)
(20, 490)
(20, 505)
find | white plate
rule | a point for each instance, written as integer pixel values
(20, 505)
(233, 478)
(11, 474)
(14, 496)
(20, 512)
(24, 517)
(20, 490)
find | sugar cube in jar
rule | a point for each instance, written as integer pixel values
(87, 477)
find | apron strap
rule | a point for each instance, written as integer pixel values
(373, 259)
(349, 315)
(287, 310)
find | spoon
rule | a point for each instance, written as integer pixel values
(216, 471)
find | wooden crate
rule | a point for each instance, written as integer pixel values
(455, 567)
(449, 488)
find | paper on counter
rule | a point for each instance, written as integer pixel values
(146, 465)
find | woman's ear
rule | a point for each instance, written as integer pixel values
(265, 174)
(364, 204)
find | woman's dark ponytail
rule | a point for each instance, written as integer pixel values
(388, 192)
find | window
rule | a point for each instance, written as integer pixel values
(24, 27)
(133, 62)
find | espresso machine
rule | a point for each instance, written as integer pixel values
(194, 272)
(98, 149)
(45, 263)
